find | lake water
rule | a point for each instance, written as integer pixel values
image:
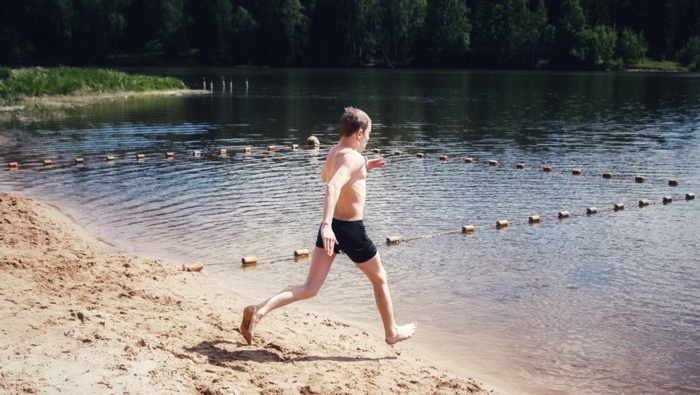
(590, 304)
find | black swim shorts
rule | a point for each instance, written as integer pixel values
(352, 240)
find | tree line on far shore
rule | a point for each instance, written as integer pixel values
(485, 34)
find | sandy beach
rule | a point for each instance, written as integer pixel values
(79, 317)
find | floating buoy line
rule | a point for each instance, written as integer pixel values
(313, 143)
(501, 224)
(536, 219)
(142, 157)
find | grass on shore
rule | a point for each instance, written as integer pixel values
(655, 65)
(16, 84)
(30, 94)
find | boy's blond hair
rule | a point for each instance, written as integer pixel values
(353, 119)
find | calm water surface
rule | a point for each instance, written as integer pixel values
(599, 304)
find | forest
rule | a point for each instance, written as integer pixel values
(469, 34)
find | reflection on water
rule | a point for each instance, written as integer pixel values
(605, 303)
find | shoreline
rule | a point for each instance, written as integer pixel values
(80, 317)
(35, 109)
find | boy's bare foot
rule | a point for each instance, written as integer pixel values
(402, 333)
(248, 323)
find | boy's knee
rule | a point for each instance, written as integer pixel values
(378, 278)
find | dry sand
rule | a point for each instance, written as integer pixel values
(77, 317)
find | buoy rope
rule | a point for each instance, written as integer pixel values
(244, 151)
(273, 259)
(647, 202)
(143, 156)
(643, 203)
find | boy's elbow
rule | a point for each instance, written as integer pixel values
(330, 189)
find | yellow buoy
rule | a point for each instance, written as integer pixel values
(502, 223)
(222, 151)
(312, 141)
(392, 240)
(667, 199)
(249, 260)
(13, 165)
(79, 161)
(197, 153)
(619, 206)
(547, 168)
(467, 228)
(591, 210)
(140, 156)
(398, 153)
(48, 162)
(533, 219)
(643, 202)
(271, 148)
(564, 214)
(443, 157)
(468, 160)
(673, 182)
(169, 154)
(194, 268)
(300, 253)
(246, 150)
(420, 155)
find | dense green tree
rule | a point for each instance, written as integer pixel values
(98, 29)
(508, 34)
(295, 26)
(446, 34)
(57, 31)
(358, 19)
(539, 34)
(401, 20)
(15, 49)
(561, 34)
(282, 36)
(571, 35)
(603, 43)
(600, 12)
(218, 27)
(244, 31)
(325, 34)
(35, 27)
(650, 17)
(490, 39)
(683, 23)
(689, 55)
(159, 25)
(631, 47)
(172, 29)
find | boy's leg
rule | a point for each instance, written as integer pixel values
(376, 274)
(318, 271)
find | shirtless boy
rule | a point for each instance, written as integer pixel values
(342, 229)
